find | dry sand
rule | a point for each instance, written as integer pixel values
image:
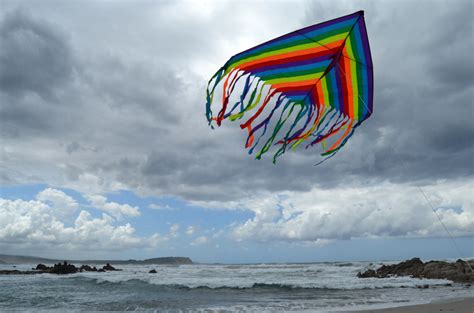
(455, 306)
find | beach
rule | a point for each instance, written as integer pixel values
(453, 306)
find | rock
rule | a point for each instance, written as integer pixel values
(41, 267)
(101, 270)
(87, 268)
(109, 267)
(367, 274)
(152, 271)
(64, 268)
(457, 272)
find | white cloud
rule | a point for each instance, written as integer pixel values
(174, 230)
(155, 206)
(386, 210)
(36, 223)
(60, 203)
(113, 208)
(190, 230)
(199, 241)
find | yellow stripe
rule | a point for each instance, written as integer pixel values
(355, 86)
(324, 87)
(294, 78)
(333, 38)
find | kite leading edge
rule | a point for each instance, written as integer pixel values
(313, 85)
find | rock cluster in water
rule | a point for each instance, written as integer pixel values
(61, 268)
(459, 271)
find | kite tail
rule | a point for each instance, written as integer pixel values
(304, 118)
(214, 81)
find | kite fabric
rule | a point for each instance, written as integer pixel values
(314, 85)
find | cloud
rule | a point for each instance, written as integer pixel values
(35, 56)
(155, 206)
(60, 202)
(34, 223)
(174, 230)
(199, 241)
(113, 208)
(358, 212)
(190, 230)
(119, 110)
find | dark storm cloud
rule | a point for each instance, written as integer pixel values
(35, 61)
(34, 56)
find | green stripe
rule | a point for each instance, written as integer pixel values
(359, 70)
(295, 73)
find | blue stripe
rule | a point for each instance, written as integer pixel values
(335, 89)
(319, 32)
(365, 88)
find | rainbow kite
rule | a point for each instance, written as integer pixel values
(314, 85)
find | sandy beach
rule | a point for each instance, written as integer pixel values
(455, 306)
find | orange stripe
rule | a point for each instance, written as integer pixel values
(337, 143)
(301, 83)
(317, 49)
(251, 137)
(320, 93)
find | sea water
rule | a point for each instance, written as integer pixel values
(315, 287)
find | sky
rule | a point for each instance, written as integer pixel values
(105, 150)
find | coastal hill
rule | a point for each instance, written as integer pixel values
(21, 259)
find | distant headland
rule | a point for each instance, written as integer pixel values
(21, 259)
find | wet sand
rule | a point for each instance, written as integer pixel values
(455, 306)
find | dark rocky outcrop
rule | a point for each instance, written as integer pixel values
(87, 268)
(63, 268)
(41, 267)
(109, 267)
(60, 268)
(459, 271)
(153, 271)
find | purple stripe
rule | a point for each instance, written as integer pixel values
(340, 89)
(308, 29)
(368, 60)
(297, 92)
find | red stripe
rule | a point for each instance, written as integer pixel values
(294, 88)
(345, 94)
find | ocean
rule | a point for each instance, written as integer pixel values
(315, 287)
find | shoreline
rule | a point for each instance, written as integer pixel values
(456, 305)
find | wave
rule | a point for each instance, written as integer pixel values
(261, 287)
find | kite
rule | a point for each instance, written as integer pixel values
(313, 85)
